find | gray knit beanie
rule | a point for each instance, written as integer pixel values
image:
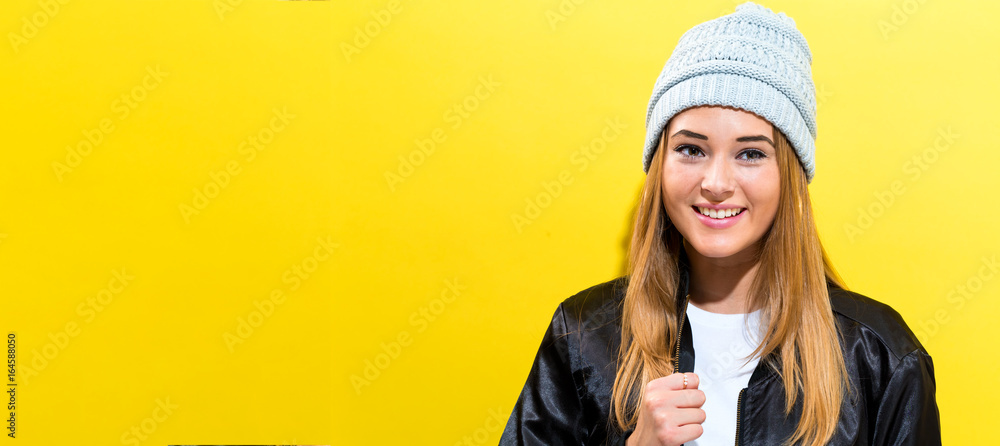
(752, 59)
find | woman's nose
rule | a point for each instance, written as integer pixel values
(718, 181)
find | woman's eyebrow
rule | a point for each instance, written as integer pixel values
(755, 138)
(691, 134)
(740, 139)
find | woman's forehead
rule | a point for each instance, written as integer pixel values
(717, 120)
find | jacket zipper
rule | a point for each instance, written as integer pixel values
(739, 408)
(680, 329)
(677, 368)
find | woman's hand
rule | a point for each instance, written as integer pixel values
(670, 413)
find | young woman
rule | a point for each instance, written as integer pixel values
(731, 324)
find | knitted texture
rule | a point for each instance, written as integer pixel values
(752, 59)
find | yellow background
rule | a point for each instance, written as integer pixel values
(365, 81)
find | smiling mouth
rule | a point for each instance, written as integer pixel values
(719, 214)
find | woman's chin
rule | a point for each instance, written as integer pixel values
(718, 249)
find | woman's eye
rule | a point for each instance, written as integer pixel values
(688, 150)
(752, 155)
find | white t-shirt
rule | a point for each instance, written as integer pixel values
(722, 343)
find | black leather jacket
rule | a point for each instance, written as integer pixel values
(567, 397)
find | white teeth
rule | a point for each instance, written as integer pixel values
(714, 213)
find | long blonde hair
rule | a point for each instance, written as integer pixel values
(790, 288)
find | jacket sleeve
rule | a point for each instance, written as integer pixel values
(549, 410)
(907, 412)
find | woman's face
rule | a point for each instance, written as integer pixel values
(720, 180)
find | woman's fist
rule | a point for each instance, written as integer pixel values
(670, 413)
